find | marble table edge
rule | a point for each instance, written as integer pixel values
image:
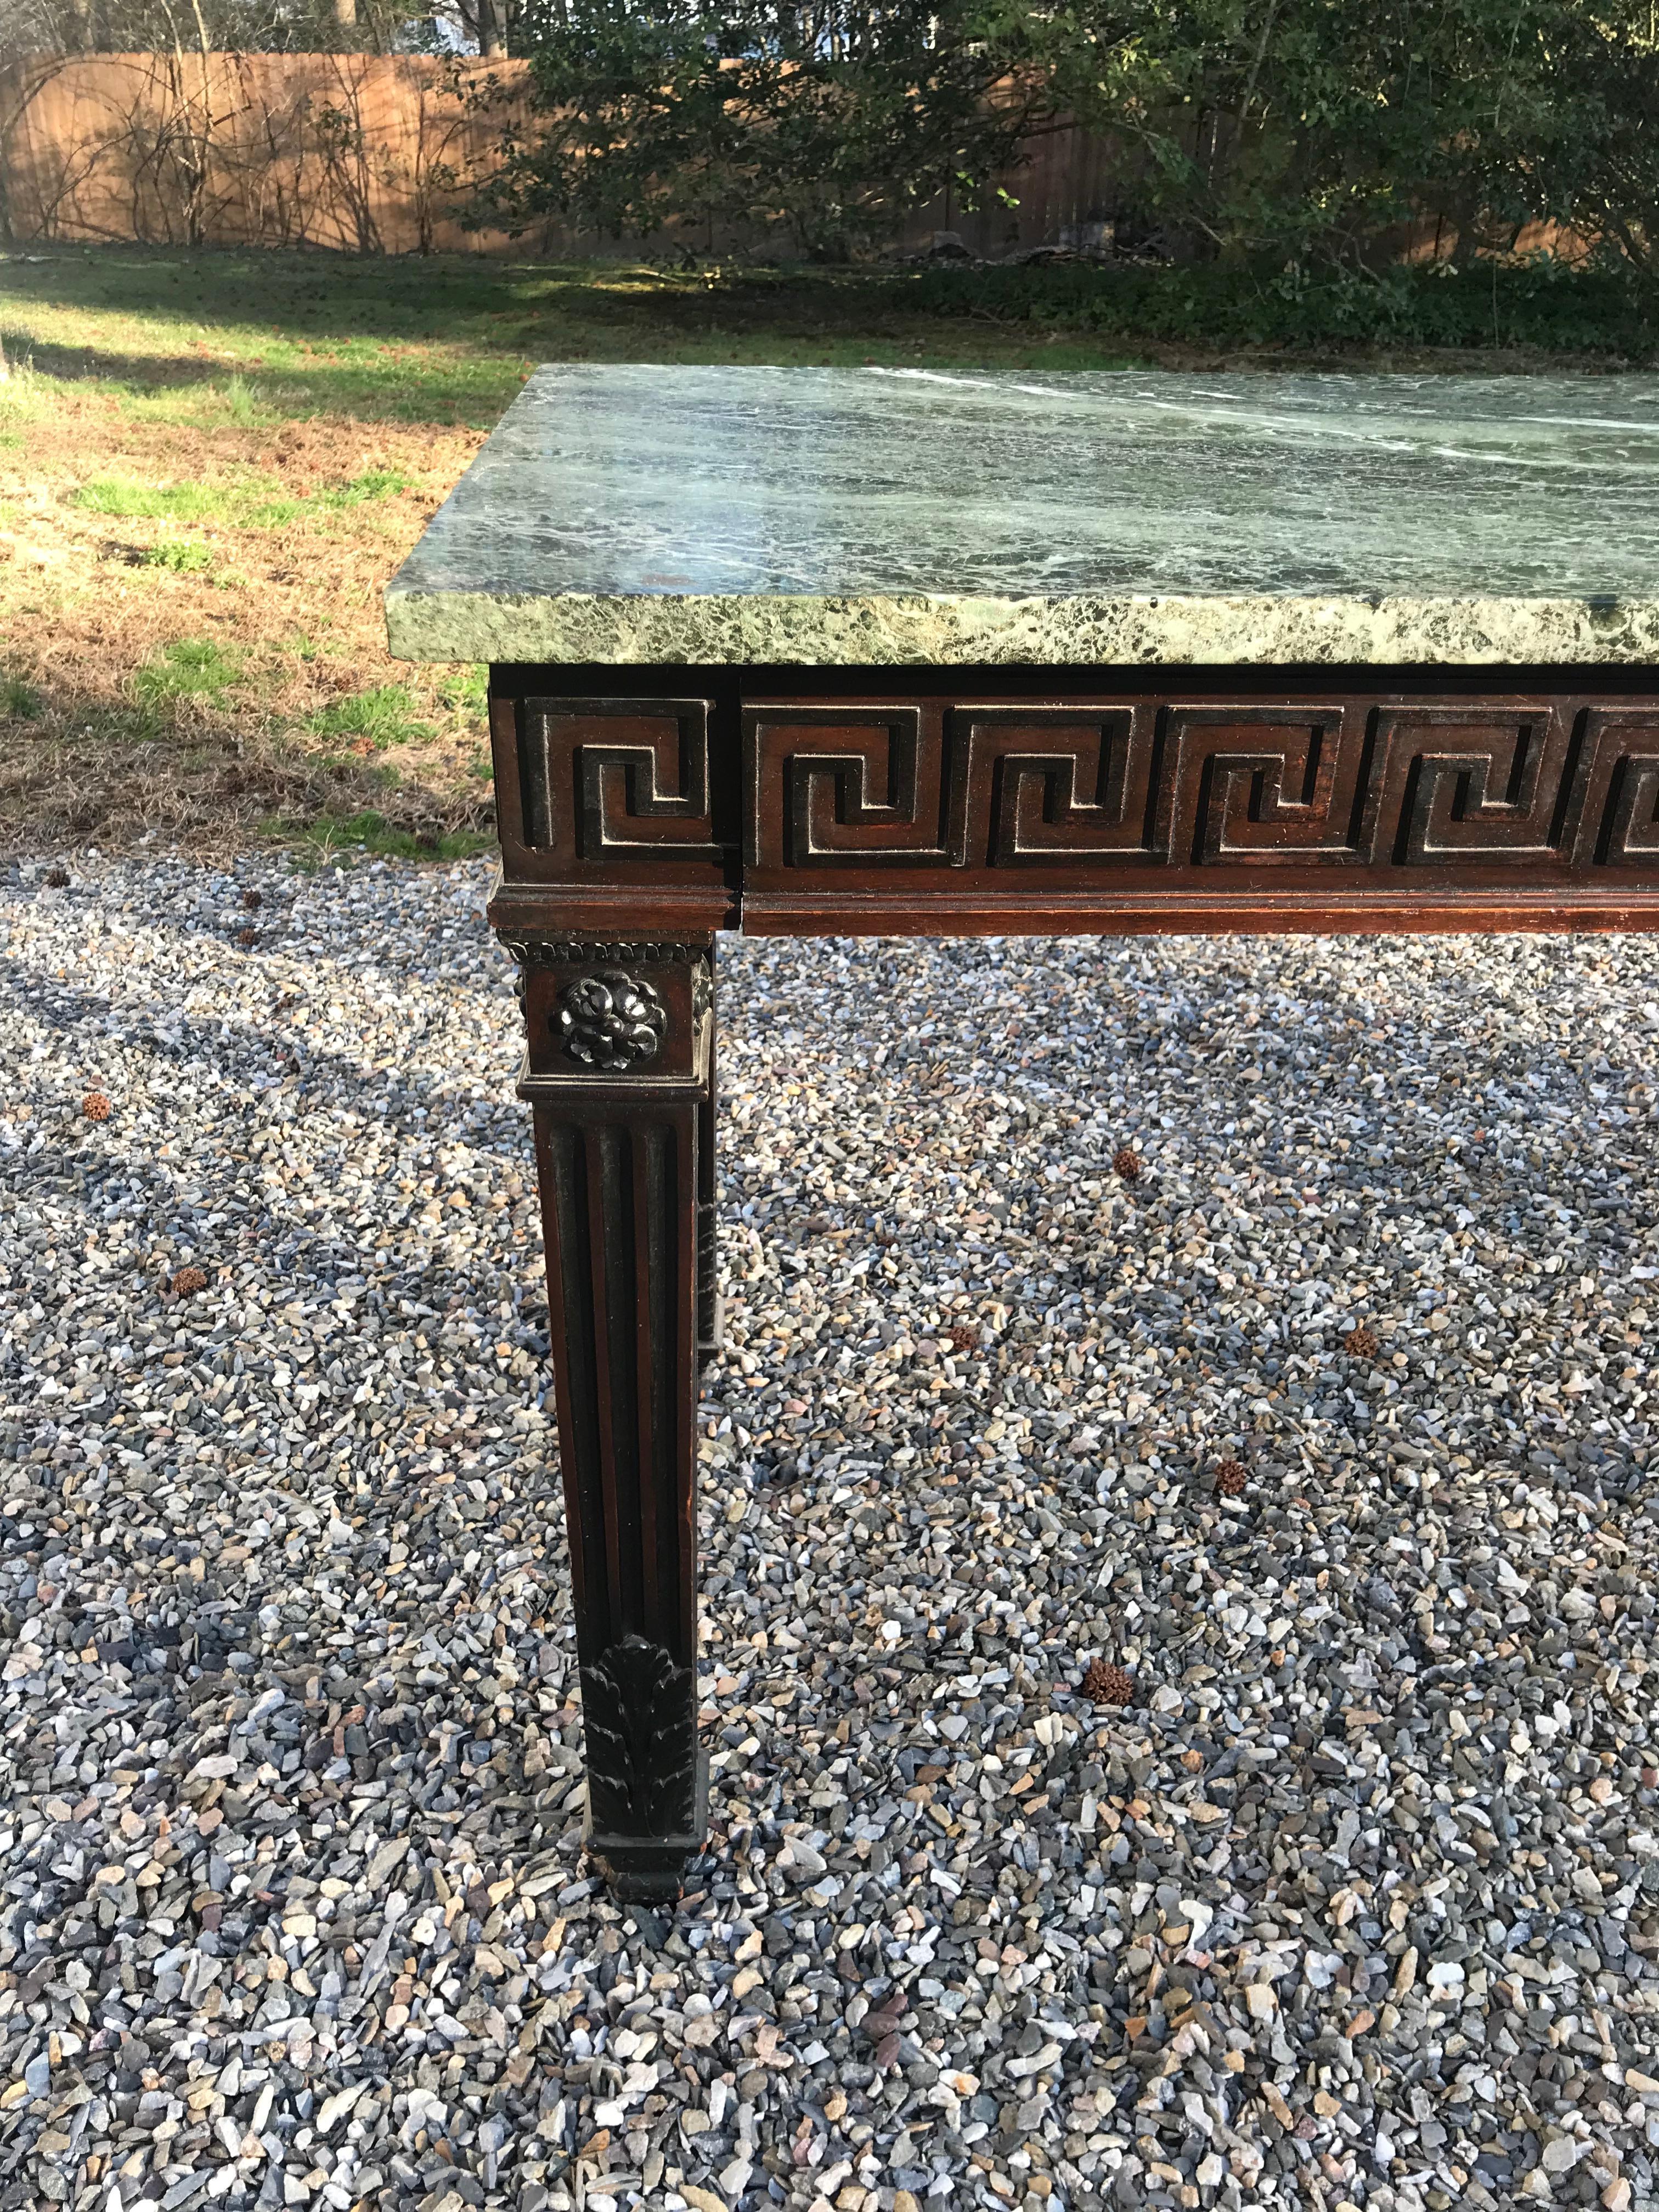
(944, 630)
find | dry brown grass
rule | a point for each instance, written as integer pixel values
(293, 605)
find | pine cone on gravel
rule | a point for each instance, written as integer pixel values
(965, 1338)
(1360, 1343)
(55, 879)
(252, 897)
(1231, 1478)
(1128, 1164)
(1108, 1685)
(96, 1107)
(189, 1279)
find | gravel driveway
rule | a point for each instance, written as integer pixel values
(1355, 1902)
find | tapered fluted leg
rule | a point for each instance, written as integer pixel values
(620, 1114)
(710, 1332)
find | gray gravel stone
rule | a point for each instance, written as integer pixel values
(1355, 1902)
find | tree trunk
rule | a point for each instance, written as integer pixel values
(345, 13)
(492, 29)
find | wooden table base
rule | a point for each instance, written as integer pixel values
(642, 811)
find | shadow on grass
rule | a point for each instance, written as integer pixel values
(444, 299)
(368, 834)
(165, 768)
(469, 393)
(451, 342)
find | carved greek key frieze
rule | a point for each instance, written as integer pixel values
(1618, 814)
(1269, 786)
(1079, 789)
(1036, 785)
(837, 787)
(1466, 785)
(1069, 791)
(606, 781)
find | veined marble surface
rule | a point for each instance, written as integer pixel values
(625, 513)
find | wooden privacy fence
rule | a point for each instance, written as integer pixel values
(363, 153)
(366, 154)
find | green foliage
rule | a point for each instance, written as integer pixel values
(372, 484)
(254, 503)
(332, 836)
(385, 716)
(824, 127)
(19, 701)
(467, 689)
(121, 496)
(189, 668)
(180, 555)
(1536, 303)
(1321, 134)
(1255, 132)
(243, 406)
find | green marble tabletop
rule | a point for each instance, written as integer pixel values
(623, 514)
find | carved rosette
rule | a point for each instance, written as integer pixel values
(611, 1021)
(641, 1741)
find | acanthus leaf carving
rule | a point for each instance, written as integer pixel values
(638, 1711)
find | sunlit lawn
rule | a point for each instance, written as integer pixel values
(212, 463)
(209, 464)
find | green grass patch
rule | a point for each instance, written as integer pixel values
(235, 404)
(182, 556)
(128, 501)
(441, 338)
(254, 503)
(385, 715)
(332, 836)
(189, 668)
(19, 700)
(241, 405)
(467, 689)
(372, 484)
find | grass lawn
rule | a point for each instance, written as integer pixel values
(209, 464)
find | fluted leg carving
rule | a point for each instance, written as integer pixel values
(620, 1155)
(710, 1330)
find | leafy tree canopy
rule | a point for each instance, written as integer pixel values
(823, 124)
(1311, 131)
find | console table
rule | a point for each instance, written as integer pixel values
(802, 651)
